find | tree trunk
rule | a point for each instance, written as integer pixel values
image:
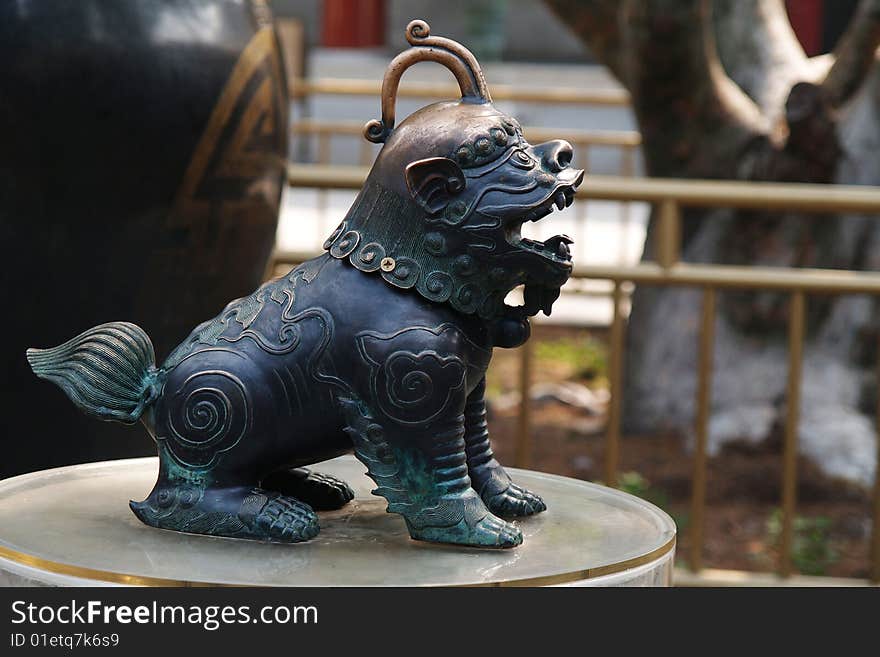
(723, 90)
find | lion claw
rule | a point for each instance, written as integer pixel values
(515, 501)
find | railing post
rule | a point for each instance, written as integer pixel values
(580, 209)
(627, 170)
(323, 148)
(875, 525)
(271, 264)
(523, 455)
(668, 233)
(615, 375)
(704, 395)
(366, 153)
(790, 449)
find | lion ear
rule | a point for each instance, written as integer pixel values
(434, 182)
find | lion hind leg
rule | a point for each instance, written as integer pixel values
(321, 491)
(428, 483)
(189, 501)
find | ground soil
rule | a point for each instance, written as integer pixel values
(743, 485)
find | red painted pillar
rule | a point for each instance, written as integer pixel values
(353, 23)
(806, 18)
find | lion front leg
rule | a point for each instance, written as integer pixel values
(422, 472)
(500, 494)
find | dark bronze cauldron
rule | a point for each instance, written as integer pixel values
(142, 152)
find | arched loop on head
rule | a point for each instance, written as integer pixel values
(425, 48)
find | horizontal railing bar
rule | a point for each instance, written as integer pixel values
(551, 95)
(576, 136)
(805, 197)
(293, 257)
(733, 276)
(704, 193)
(318, 126)
(326, 176)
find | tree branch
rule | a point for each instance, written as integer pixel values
(760, 52)
(596, 23)
(680, 92)
(854, 54)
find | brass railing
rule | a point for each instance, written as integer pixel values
(303, 88)
(670, 196)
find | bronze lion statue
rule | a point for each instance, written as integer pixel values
(379, 346)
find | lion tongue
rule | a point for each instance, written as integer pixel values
(558, 244)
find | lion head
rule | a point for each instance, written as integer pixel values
(442, 209)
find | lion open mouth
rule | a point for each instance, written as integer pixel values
(556, 248)
(539, 294)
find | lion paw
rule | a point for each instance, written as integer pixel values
(489, 531)
(503, 497)
(498, 533)
(514, 501)
(282, 518)
(322, 492)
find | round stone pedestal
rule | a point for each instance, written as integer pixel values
(72, 526)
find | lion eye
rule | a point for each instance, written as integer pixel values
(522, 158)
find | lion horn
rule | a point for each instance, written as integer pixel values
(451, 54)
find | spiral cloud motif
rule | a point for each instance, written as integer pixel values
(208, 415)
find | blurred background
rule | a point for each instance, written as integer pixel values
(716, 349)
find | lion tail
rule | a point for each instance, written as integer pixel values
(108, 372)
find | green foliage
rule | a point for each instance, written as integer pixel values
(635, 484)
(586, 357)
(812, 551)
(493, 386)
(555, 359)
